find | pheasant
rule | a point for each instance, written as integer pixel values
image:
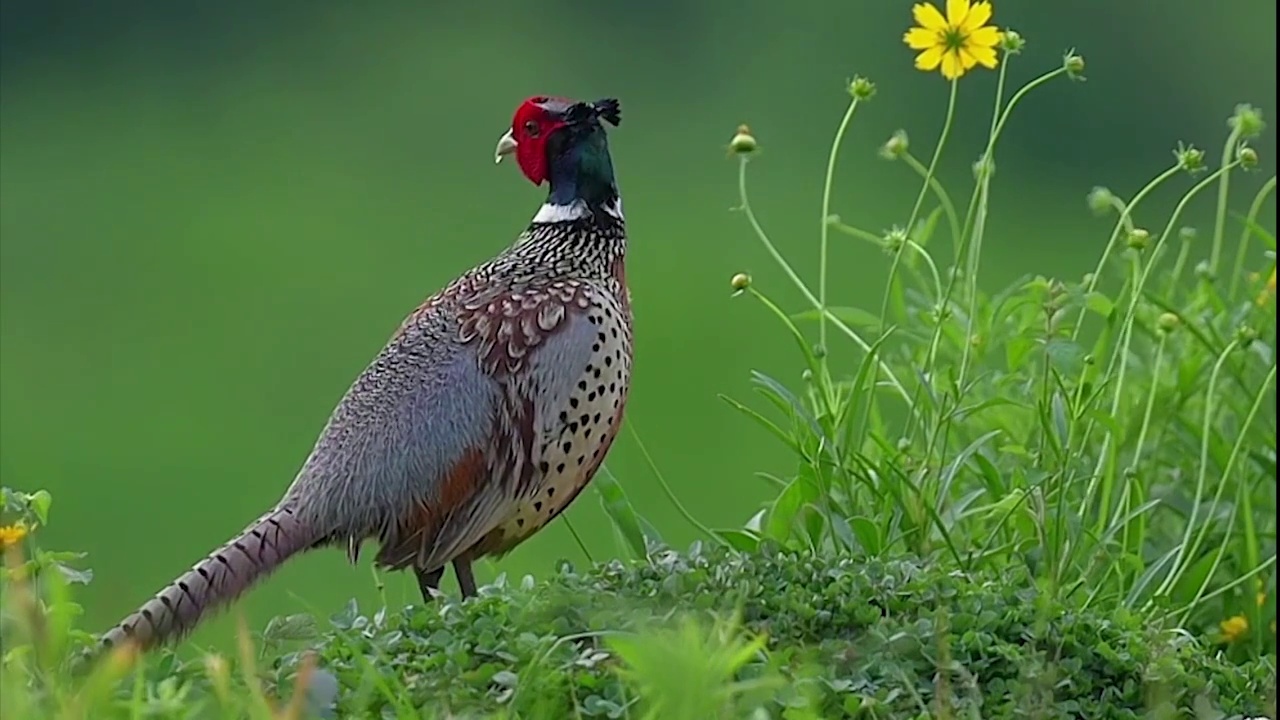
(485, 414)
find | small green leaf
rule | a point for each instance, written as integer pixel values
(287, 628)
(739, 539)
(619, 509)
(40, 502)
(73, 575)
(868, 534)
(1065, 356)
(1099, 303)
(782, 513)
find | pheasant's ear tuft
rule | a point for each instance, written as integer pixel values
(609, 111)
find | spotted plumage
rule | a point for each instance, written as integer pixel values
(488, 411)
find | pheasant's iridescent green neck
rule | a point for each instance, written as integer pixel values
(581, 177)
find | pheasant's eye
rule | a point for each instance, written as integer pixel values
(531, 128)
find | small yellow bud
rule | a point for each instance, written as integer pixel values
(861, 88)
(1234, 628)
(1168, 322)
(1138, 239)
(1247, 120)
(1248, 157)
(743, 142)
(1011, 42)
(740, 282)
(1074, 65)
(896, 146)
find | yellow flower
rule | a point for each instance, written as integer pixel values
(957, 42)
(12, 534)
(1269, 290)
(1233, 628)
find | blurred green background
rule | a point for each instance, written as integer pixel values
(212, 215)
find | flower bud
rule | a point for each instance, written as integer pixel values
(1074, 65)
(896, 146)
(1248, 157)
(743, 143)
(984, 168)
(819, 350)
(1190, 158)
(861, 88)
(740, 282)
(1138, 239)
(1204, 271)
(895, 239)
(1011, 42)
(1247, 120)
(1246, 335)
(1168, 322)
(1187, 234)
(1101, 200)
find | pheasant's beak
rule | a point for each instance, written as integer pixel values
(506, 146)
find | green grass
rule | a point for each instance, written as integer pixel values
(1052, 499)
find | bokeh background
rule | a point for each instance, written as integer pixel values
(212, 215)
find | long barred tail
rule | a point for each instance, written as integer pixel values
(214, 581)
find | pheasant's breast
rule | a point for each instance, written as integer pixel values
(576, 415)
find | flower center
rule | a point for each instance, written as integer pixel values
(954, 39)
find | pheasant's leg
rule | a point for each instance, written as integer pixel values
(466, 581)
(428, 582)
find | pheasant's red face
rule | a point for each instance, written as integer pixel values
(535, 120)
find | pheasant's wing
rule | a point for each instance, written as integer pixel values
(528, 347)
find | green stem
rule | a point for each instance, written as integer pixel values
(804, 289)
(879, 242)
(1122, 222)
(1224, 192)
(1242, 249)
(666, 488)
(826, 213)
(1117, 365)
(944, 199)
(915, 210)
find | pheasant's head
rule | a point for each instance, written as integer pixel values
(563, 141)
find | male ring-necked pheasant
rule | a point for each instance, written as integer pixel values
(486, 413)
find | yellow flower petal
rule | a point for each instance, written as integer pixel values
(957, 11)
(978, 16)
(988, 36)
(951, 66)
(967, 60)
(929, 59)
(921, 38)
(985, 56)
(928, 17)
